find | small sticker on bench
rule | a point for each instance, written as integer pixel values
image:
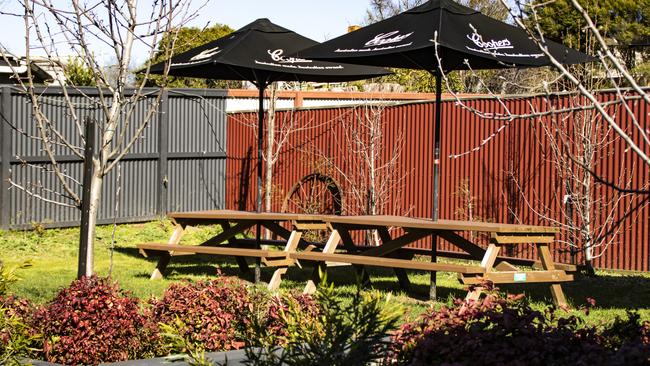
(520, 277)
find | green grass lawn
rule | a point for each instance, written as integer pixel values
(53, 254)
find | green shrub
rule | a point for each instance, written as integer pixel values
(8, 275)
(353, 334)
(17, 338)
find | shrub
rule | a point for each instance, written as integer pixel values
(8, 275)
(284, 312)
(93, 321)
(341, 334)
(17, 339)
(210, 315)
(507, 331)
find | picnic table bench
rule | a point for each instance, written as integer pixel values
(384, 255)
(226, 243)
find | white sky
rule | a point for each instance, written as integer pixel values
(317, 19)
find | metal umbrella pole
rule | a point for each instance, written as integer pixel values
(261, 86)
(436, 181)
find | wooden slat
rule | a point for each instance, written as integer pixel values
(228, 233)
(510, 238)
(240, 215)
(472, 249)
(396, 244)
(420, 223)
(386, 262)
(304, 226)
(242, 252)
(519, 277)
(505, 266)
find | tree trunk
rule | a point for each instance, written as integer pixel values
(95, 200)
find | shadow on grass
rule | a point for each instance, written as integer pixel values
(627, 292)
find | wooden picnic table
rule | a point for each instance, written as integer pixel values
(385, 255)
(391, 253)
(225, 243)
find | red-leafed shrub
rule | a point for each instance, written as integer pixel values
(209, 315)
(507, 331)
(92, 321)
(278, 315)
(19, 307)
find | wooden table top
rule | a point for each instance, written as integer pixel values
(366, 220)
(243, 215)
(451, 225)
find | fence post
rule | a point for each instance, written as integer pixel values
(89, 152)
(163, 153)
(5, 155)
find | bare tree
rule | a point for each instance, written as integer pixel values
(577, 130)
(54, 29)
(372, 182)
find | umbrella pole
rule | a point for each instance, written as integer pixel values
(436, 182)
(261, 86)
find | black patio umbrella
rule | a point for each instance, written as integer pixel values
(441, 36)
(258, 52)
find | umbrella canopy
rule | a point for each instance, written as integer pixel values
(466, 39)
(258, 52)
(440, 35)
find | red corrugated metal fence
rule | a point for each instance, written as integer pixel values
(497, 170)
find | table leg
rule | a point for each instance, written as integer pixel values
(164, 259)
(547, 263)
(332, 242)
(241, 261)
(433, 286)
(362, 274)
(402, 277)
(487, 263)
(292, 244)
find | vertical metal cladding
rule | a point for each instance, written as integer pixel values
(196, 132)
(492, 169)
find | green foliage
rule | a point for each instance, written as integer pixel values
(8, 275)
(176, 339)
(187, 38)
(352, 334)
(78, 74)
(16, 339)
(642, 73)
(620, 21)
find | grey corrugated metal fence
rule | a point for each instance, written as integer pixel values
(177, 164)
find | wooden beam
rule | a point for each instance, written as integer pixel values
(221, 250)
(518, 238)
(472, 249)
(228, 232)
(518, 277)
(386, 262)
(396, 244)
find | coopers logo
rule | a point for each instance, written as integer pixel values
(205, 54)
(491, 44)
(276, 55)
(387, 38)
